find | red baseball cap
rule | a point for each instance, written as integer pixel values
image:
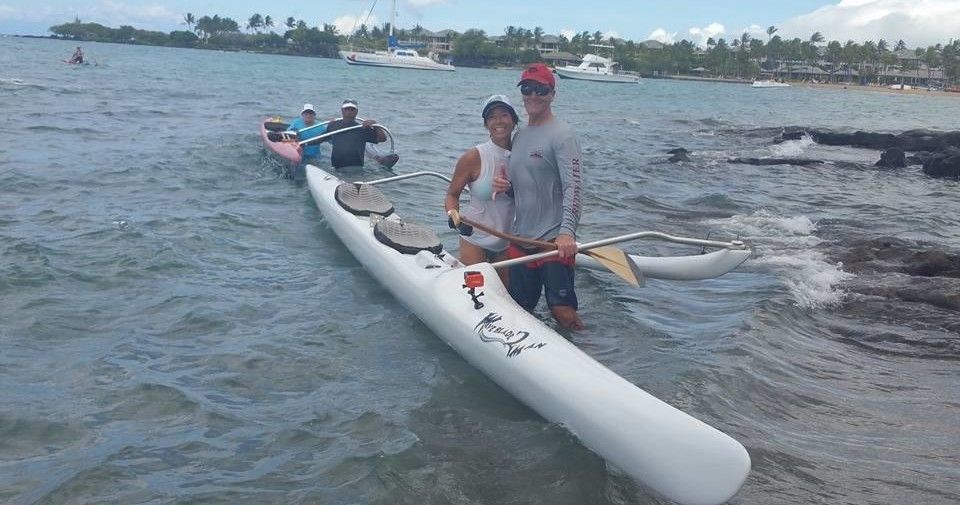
(540, 73)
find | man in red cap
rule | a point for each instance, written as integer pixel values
(544, 176)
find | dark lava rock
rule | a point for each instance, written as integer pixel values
(917, 159)
(893, 158)
(857, 139)
(789, 133)
(943, 164)
(677, 155)
(806, 162)
(934, 264)
(928, 140)
(910, 140)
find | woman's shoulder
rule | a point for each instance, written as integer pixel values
(471, 155)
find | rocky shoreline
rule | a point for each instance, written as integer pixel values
(938, 152)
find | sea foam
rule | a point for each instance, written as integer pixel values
(784, 245)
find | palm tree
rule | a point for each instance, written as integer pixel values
(851, 54)
(901, 45)
(267, 22)
(921, 55)
(290, 22)
(870, 53)
(770, 31)
(537, 35)
(255, 22)
(189, 20)
(584, 42)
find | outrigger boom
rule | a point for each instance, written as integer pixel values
(734, 245)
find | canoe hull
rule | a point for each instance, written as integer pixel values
(673, 453)
(285, 150)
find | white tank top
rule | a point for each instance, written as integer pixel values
(483, 208)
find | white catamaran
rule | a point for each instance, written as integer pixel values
(396, 55)
(673, 453)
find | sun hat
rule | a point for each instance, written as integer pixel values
(349, 104)
(498, 101)
(308, 107)
(538, 72)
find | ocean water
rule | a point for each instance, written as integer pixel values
(178, 324)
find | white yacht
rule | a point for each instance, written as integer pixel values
(596, 68)
(396, 56)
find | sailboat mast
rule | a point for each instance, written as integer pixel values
(393, 16)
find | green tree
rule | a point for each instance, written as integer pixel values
(472, 48)
(255, 22)
(189, 20)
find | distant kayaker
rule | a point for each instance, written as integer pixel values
(77, 56)
(475, 169)
(544, 175)
(349, 147)
(307, 122)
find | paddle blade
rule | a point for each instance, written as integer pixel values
(618, 262)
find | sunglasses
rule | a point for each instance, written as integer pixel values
(539, 89)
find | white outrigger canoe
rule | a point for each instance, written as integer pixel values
(676, 455)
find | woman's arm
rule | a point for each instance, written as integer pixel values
(466, 171)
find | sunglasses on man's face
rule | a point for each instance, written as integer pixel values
(540, 89)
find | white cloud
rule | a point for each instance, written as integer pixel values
(661, 35)
(700, 35)
(121, 11)
(568, 32)
(107, 12)
(611, 34)
(916, 22)
(753, 31)
(348, 24)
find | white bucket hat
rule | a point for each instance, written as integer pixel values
(498, 101)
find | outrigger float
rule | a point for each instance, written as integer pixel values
(671, 452)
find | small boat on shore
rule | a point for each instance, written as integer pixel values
(769, 83)
(596, 68)
(676, 455)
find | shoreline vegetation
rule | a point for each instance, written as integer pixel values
(813, 62)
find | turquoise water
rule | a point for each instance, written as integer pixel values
(179, 325)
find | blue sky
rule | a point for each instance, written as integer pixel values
(918, 22)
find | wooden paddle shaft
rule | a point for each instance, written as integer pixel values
(516, 239)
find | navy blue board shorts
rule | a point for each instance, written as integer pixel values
(552, 277)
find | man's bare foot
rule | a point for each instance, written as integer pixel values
(567, 317)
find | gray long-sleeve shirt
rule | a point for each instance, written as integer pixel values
(545, 174)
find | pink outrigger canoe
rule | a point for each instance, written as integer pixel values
(286, 149)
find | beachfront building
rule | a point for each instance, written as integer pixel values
(560, 58)
(548, 44)
(440, 42)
